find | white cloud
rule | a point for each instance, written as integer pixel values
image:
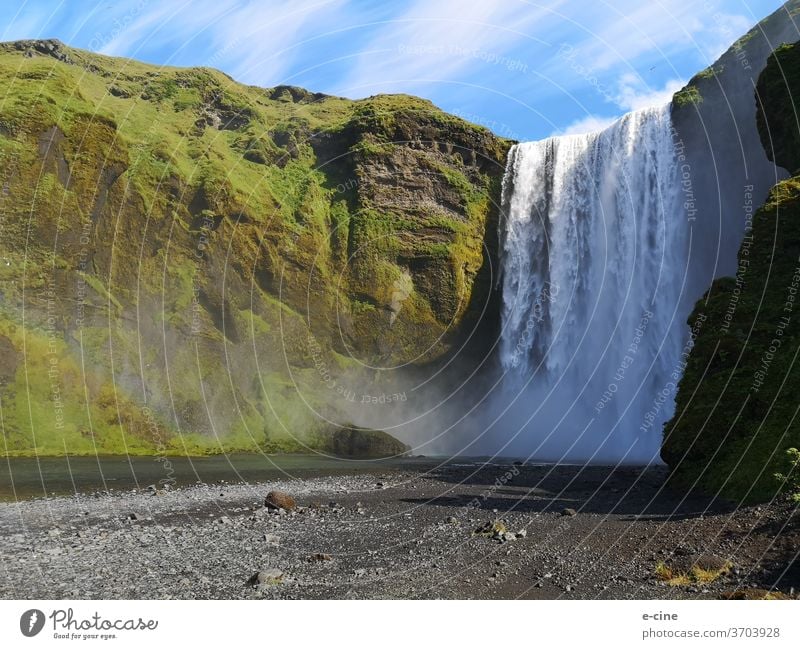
(625, 30)
(444, 40)
(718, 33)
(634, 94)
(253, 41)
(588, 124)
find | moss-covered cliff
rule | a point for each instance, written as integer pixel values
(187, 263)
(737, 406)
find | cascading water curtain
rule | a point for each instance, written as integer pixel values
(594, 247)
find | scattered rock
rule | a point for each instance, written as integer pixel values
(132, 517)
(224, 520)
(569, 512)
(493, 529)
(452, 520)
(268, 577)
(753, 594)
(522, 534)
(279, 500)
(272, 539)
(351, 441)
(318, 557)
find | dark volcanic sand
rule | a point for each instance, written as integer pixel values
(412, 537)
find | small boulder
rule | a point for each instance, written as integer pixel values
(569, 512)
(279, 500)
(365, 443)
(268, 577)
(493, 529)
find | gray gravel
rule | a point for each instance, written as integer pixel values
(401, 534)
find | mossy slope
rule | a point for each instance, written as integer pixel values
(737, 407)
(185, 262)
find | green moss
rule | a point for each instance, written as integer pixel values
(688, 96)
(100, 289)
(777, 118)
(223, 226)
(734, 412)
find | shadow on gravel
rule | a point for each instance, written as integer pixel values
(782, 561)
(639, 493)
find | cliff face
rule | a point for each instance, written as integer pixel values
(726, 171)
(189, 263)
(737, 407)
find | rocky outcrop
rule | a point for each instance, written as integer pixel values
(364, 443)
(206, 265)
(724, 170)
(736, 408)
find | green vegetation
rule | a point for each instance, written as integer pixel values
(688, 96)
(790, 480)
(695, 574)
(192, 255)
(779, 121)
(736, 410)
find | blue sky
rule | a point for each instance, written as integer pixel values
(524, 69)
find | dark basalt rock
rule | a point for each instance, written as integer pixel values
(364, 443)
(279, 500)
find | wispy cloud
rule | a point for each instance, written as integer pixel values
(634, 94)
(588, 124)
(448, 41)
(631, 94)
(254, 41)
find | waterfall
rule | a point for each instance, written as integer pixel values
(594, 256)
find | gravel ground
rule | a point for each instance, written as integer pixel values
(398, 534)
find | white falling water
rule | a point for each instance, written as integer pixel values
(594, 245)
